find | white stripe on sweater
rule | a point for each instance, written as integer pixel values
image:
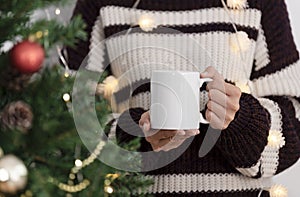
(261, 52)
(97, 48)
(205, 183)
(137, 54)
(270, 155)
(115, 15)
(283, 82)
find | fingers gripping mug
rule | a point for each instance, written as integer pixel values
(175, 100)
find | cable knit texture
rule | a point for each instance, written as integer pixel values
(242, 161)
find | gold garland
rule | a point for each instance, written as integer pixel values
(79, 165)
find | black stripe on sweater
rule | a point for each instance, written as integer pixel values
(204, 28)
(189, 161)
(89, 9)
(280, 43)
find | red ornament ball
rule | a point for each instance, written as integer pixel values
(27, 57)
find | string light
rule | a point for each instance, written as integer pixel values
(237, 4)
(66, 97)
(78, 163)
(146, 23)
(74, 188)
(107, 87)
(39, 34)
(278, 191)
(275, 139)
(108, 189)
(239, 42)
(77, 167)
(244, 87)
(67, 74)
(64, 62)
(27, 193)
(57, 11)
(72, 176)
(113, 176)
(107, 182)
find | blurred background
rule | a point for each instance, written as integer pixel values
(288, 178)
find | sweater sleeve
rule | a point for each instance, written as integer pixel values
(89, 53)
(263, 140)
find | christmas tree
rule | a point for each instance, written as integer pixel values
(41, 153)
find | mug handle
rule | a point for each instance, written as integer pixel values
(202, 81)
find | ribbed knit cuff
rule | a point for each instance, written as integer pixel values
(245, 138)
(290, 152)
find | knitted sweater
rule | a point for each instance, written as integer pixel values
(242, 161)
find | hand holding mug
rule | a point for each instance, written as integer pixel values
(175, 97)
(164, 140)
(223, 102)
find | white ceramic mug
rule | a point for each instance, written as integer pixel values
(175, 100)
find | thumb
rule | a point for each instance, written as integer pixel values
(210, 72)
(146, 126)
(144, 122)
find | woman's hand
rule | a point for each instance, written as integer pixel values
(164, 139)
(223, 101)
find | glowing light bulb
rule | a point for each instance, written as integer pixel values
(57, 11)
(147, 23)
(66, 75)
(278, 191)
(239, 42)
(275, 139)
(39, 34)
(78, 163)
(108, 87)
(108, 189)
(237, 4)
(107, 182)
(66, 97)
(113, 176)
(244, 87)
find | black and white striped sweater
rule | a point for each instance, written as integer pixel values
(242, 162)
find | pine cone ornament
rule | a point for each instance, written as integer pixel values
(12, 79)
(17, 115)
